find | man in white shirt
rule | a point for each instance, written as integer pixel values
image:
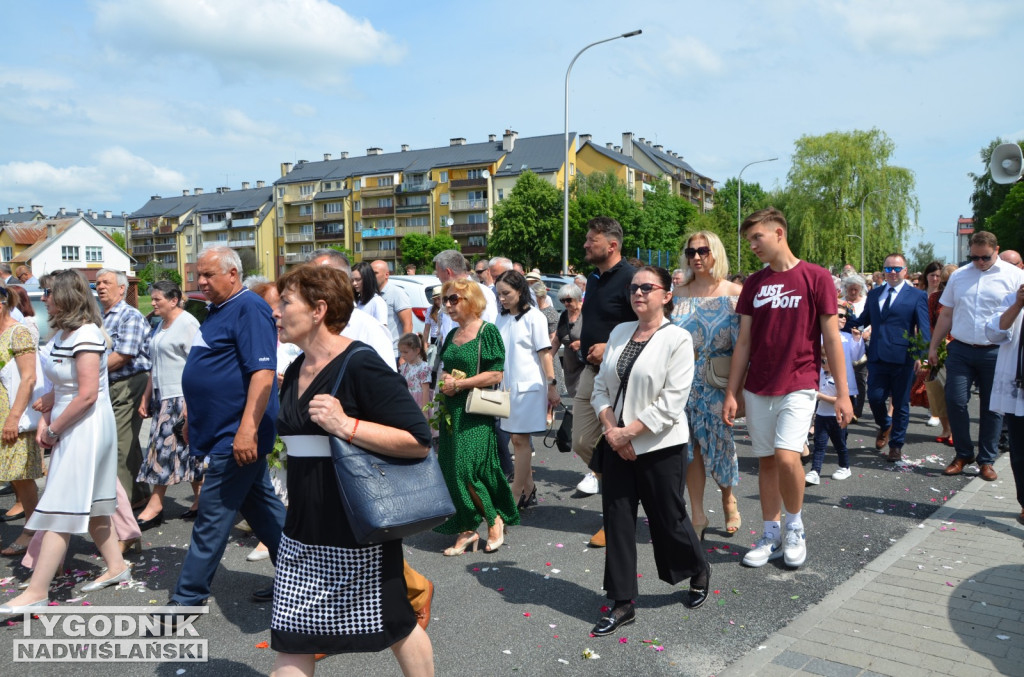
(399, 307)
(972, 296)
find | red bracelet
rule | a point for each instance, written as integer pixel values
(354, 429)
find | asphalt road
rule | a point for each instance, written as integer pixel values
(528, 609)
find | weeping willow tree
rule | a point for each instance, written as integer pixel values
(832, 177)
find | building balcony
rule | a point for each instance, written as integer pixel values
(372, 191)
(160, 248)
(402, 231)
(333, 217)
(142, 249)
(467, 205)
(297, 199)
(330, 236)
(242, 242)
(330, 230)
(469, 183)
(378, 211)
(243, 223)
(294, 257)
(165, 230)
(295, 217)
(142, 232)
(470, 229)
(416, 187)
(214, 243)
(378, 232)
(211, 226)
(369, 254)
(474, 249)
(303, 236)
(411, 209)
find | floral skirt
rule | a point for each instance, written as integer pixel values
(168, 461)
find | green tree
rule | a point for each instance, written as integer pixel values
(603, 195)
(722, 219)
(419, 249)
(250, 264)
(831, 176)
(119, 240)
(921, 255)
(665, 218)
(989, 199)
(527, 224)
(1007, 224)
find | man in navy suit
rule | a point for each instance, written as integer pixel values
(892, 310)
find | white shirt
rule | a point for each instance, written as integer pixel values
(364, 327)
(885, 293)
(1005, 396)
(377, 307)
(975, 296)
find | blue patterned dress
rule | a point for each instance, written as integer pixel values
(715, 326)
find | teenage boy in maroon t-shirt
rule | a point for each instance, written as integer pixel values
(787, 314)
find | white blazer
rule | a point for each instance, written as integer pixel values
(658, 387)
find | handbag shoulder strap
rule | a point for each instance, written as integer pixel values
(622, 384)
(344, 365)
(479, 346)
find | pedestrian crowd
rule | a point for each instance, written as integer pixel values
(250, 406)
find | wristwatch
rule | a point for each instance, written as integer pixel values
(52, 435)
(552, 381)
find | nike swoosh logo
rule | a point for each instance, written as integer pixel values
(760, 302)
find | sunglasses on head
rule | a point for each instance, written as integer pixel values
(450, 300)
(691, 252)
(975, 257)
(645, 288)
(894, 269)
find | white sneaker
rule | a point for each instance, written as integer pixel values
(933, 422)
(841, 474)
(795, 547)
(764, 550)
(588, 485)
(812, 478)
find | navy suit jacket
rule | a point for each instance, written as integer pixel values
(907, 313)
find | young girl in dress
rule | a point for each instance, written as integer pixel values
(414, 368)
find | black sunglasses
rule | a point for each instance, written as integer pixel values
(975, 257)
(691, 252)
(481, 271)
(451, 300)
(645, 288)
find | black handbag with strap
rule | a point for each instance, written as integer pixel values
(386, 497)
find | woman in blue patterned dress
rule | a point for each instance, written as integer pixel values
(706, 307)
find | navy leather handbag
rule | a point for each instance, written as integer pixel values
(386, 497)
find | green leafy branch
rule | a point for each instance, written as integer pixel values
(919, 349)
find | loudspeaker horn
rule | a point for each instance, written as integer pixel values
(1007, 163)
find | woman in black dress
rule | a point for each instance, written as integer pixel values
(331, 594)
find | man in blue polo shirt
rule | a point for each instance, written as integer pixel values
(230, 390)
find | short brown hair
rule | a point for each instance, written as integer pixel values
(892, 254)
(983, 237)
(472, 297)
(764, 217)
(322, 283)
(607, 226)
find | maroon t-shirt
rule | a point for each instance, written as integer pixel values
(785, 329)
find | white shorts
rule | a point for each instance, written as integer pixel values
(779, 421)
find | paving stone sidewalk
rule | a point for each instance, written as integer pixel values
(946, 599)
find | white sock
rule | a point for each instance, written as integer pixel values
(773, 530)
(795, 521)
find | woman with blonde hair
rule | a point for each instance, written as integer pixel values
(706, 307)
(82, 482)
(473, 356)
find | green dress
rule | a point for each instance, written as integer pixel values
(468, 451)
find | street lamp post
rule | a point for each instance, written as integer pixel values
(862, 201)
(565, 201)
(739, 210)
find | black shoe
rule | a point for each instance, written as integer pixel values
(618, 617)
(11, 518)
(695, 596)
(146, 525)
(263, 594)
(170, 621)
(189, 514)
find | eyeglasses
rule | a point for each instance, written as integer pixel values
(843, 315)
(691, 252)
(481, 271)
(893, 269)
(975, 257)
(645, 288)
(452, 300)
(46, 293)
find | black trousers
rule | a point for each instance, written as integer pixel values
(656, 480)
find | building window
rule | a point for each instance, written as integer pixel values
(6, 253)
(477, 217)
(356, 183)
(306, 189)
(357, 205)
(386, 181)
(385, 202)
(417, 221)
(280, 213)
(444, 198)
(474, 174)
(572, 169)
(305, 210)
(188, 240)
(334, 207)
(444, 177)
(306, 249)
(477, 241)
(94, 254)
(280, 192)
(68, 253)
(501, 194)
(191, 277)
(358, 247)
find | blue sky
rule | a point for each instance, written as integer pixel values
(105, 103)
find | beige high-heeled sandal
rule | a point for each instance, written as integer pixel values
(457, 550)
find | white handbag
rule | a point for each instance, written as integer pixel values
(10, 377)
(484, 401)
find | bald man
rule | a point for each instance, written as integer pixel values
(1012, 257)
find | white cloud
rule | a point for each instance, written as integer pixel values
(310, 40)
(919, 27)
(33, 79)
(688, 54)
(115, 171)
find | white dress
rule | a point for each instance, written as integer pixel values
(524, 376)
(82, 480)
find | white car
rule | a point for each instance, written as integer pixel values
(418, 288)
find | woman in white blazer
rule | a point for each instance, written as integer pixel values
(644, 460)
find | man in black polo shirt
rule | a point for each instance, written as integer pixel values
(605, 305)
